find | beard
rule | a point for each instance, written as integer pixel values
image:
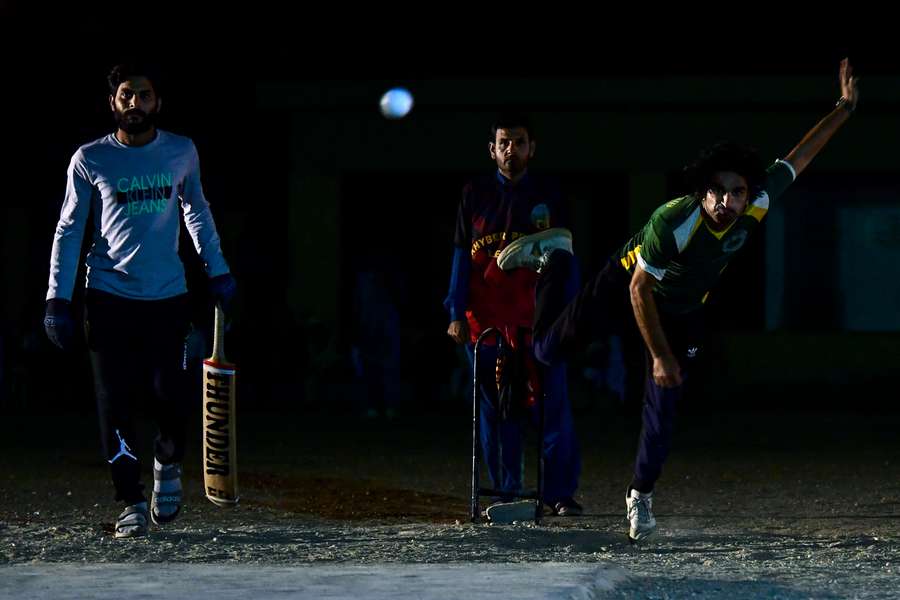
(514, 165)
(135, 126)
(723, 215)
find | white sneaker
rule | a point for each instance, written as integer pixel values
(529, 251)
(640, 515)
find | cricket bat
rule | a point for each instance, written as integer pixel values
(219, 422)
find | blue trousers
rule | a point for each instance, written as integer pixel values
(568, 316)
(684, 334)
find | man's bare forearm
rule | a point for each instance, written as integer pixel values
(816, 138)
(819, 135)
(647, 317)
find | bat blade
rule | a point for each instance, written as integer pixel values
(219, 423)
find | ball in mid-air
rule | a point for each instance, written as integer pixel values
(396, 103)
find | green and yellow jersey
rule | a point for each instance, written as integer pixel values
(686, 257)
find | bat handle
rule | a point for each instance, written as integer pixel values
(219, 335)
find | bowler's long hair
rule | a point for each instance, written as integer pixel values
(726, 156)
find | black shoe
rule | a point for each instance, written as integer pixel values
(567, 507)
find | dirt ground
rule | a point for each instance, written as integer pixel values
(750, 505)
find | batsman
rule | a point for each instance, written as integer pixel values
(136, 183)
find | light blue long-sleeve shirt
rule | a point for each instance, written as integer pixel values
(137, 195)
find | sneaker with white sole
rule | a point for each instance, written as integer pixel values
(640, 515)
(529, 251)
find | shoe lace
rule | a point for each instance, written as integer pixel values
(642, 508)
(542, 261)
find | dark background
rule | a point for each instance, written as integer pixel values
(309, 184)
